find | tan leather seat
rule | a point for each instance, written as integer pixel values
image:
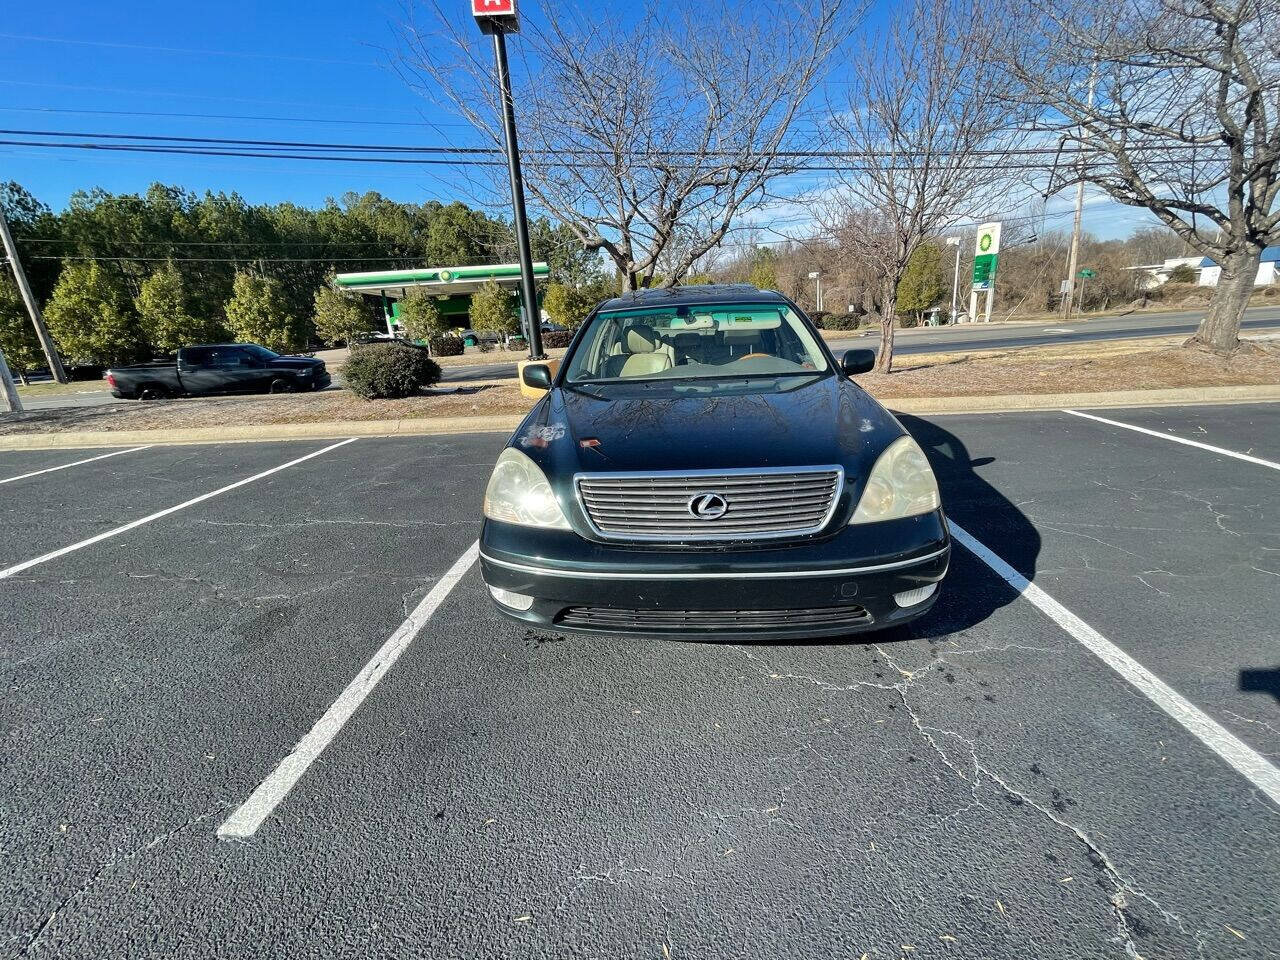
(643, 354)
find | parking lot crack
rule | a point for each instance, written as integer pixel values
(110, 866)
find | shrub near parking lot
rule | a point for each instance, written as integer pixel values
(389, 371)
(447, 346)
(557, 338)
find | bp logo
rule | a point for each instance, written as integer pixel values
(445, 276)
(984, 242)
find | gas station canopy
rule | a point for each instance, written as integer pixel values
(447, 281)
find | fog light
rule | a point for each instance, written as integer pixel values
(909, 598)
(516, 601)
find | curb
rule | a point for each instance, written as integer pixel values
(437, 426)
(337, 430)
(1015, 403)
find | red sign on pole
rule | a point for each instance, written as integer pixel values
(493, 8)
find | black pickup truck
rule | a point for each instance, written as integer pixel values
(218, 368)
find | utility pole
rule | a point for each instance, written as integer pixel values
(1073, 258)
(13, 401)
(33, 308)
(498, 18)
(955, 280)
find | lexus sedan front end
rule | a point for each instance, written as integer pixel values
(701, 466)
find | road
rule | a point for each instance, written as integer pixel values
(985, 784)
(978, 336)
(925, 340)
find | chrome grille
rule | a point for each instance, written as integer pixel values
(784, 502)
(616, 620)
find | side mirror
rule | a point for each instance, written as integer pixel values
(858, 361)
(538, 376)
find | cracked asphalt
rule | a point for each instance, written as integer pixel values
(978, 785)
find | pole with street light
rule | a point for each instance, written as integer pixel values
(498, 18)
(955, 280)
(817, 297)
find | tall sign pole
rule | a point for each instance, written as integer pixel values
(498, 18)
(33, 308)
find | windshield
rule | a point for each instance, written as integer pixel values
(696, 342)
(260, 353)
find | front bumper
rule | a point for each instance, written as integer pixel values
(841, 585)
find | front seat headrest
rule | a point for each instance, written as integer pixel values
(641, 339)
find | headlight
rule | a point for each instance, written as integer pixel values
(518, 492)
(901, 485)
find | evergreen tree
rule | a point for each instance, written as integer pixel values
(17, 337)
(420, 316)
(568, 306)
(258, 312)
(339, 316)
(493, 308)
(923, 282)
(168, 315)
(92, 318)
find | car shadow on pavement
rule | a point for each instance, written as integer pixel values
(971, 592)
(1261, 681)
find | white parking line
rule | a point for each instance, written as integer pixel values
(1256, 768)
(248, 817)
(1169, 436)
(116, 531)
(36, 473)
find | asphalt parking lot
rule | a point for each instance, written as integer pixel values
(261, 719)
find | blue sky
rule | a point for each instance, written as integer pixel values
(321, 71)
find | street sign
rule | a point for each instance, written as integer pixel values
(988, 240)
(984, 271)
(1087, 274)
(494, 15)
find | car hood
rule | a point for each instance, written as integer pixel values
(827, 420)
(294, 363)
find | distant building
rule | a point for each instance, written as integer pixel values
(452, 287)
(1151, 275)
(1268, 270)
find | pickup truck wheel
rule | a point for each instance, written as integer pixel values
(154, 391)
(283, 386)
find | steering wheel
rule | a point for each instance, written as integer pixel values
(754, 356)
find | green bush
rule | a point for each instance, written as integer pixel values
(840, 321)
(557, 338)
(446, 346)
(389, 370)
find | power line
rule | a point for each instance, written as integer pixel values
(450, 157)
(245, 259)
(200, 96)
(185, 50)
(417, 124)
(449, 149)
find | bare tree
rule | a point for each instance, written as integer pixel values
(927, 140)
(648, 139)
(1183, 120)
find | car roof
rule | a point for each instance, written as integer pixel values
(690, 296)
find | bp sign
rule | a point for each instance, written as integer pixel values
(984, 271)
(985, 255)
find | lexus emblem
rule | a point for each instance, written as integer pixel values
(708, 506)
